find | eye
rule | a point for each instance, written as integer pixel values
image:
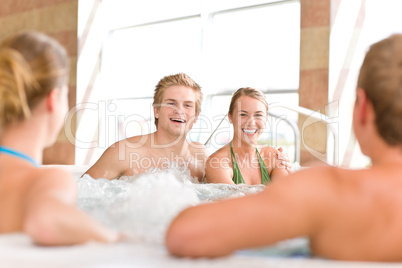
(243, 115)
(170, 103)
(188, 105)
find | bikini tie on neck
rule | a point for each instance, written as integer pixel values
(12, 152)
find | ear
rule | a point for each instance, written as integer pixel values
(196, 118)
(361, 106)
(156, 112)
(51, 99)
(230, 118)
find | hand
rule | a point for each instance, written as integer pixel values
(284, 161)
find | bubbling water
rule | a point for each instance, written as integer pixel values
(142, 206)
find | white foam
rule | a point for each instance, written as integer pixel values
(295, 167)
(143, 206)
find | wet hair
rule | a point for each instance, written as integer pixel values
(31, 65)
(250, 92)
(179, 79)
(381, 78)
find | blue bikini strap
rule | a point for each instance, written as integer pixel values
(17, 154)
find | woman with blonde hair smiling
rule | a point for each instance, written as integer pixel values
(33, 92)
(243, 160)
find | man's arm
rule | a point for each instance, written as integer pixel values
(51, 217)
(287, 208)
(109, 166)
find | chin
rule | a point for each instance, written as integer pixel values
(250, 140)
(178, 132)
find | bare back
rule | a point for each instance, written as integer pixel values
(362, 218)
(21, 184)
(14, 185)
(349, 215)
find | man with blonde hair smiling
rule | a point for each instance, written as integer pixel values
(177, 105)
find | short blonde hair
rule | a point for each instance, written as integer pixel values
(250, 92)
(381, 78)
(179, 79)
(31, 65)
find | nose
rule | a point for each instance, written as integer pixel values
(251, 121)
(179, 109)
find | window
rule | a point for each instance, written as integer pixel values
(223, 45)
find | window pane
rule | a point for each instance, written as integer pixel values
(125, 13)
(256, 47)
(137, 58)
(214, 5)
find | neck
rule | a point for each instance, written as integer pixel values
(386, 155)
(25, 137)
(172, 143)
(243, 147)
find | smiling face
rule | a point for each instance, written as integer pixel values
(176, 114)
(249, 117)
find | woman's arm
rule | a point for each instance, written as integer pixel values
(51, 217)
(278, 172)
(277, 161)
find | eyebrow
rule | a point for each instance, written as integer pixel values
(188, 101)
(242, 111)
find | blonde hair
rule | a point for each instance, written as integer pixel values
(31, 65)
(179, 79)
(250, 92)
(381, 78)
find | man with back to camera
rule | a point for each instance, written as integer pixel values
(177, 105)
(346, 214)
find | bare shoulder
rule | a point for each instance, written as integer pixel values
(219, 167)
(223, 152)
(267, 151)
(140, 140)
(55, 176)
(221, 156)
(316, 175)
(309, 183)
(116, 159)
(135, 143)
(53, 181)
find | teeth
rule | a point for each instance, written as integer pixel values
(248, 131)
(178, 120)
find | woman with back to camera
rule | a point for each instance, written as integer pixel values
(242, 160)
(33, 92)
